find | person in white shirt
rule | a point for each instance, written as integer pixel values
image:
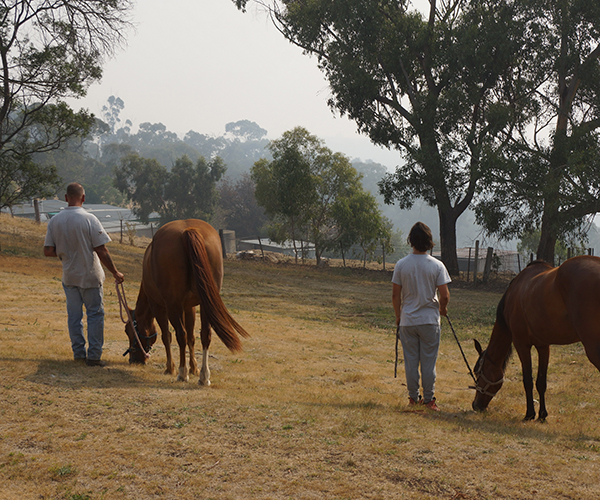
(78, 239)
(420, 295)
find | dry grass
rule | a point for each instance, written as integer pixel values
(310, 409)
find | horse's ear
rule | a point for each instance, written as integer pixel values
(478, 346)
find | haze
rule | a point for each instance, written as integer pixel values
(198, 65)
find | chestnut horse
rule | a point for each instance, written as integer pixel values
(182, 268)
(542, 306)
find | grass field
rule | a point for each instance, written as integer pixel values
(309, 410)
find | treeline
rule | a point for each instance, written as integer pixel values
(293, 188)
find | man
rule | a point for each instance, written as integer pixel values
(78, 239)
(417, 280)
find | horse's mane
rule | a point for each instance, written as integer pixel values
(501, 321)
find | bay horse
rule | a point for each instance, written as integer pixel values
(182, 268)
(542, 306)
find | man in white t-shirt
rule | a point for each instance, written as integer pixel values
(78, 239)
(417, 281)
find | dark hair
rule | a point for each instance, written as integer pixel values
(75, 190)
(420, 237)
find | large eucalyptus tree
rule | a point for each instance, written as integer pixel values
(436, 86)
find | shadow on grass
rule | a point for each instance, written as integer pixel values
(492, 424)
(497, 424)
(69, 374)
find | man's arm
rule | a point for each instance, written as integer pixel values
(106, 259)
(444, 299)
(397, 301)
(50, 252)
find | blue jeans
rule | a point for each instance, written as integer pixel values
(92, 298)
(420, 345)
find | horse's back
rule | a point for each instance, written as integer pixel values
(579, 282)
(167, 265)
(560, 305)
(535, 309)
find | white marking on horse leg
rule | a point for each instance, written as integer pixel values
(183, 374)
(204, 372)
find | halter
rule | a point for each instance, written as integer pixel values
(488, 382)
(131, 319)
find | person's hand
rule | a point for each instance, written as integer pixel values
(119, 277)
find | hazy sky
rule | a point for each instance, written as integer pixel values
(200, 64)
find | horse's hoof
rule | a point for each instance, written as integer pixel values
(205, 383)
(182, 379)
(529, 418)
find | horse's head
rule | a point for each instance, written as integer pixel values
(489, 379)
(142, 335)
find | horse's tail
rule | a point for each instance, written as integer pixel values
(210, 299)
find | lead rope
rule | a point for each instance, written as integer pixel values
(461, 350)
(123, 304)
(396, 363)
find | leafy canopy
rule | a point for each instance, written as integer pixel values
(187, 191)
(49, 50)
(309, 193)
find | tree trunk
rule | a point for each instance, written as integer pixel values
(448, 240)
(547, 245)
(551, 215)
(447, 213)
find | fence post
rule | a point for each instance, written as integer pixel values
(488, 264)
(36, 206)
(223, 249)
(476, 261)
(469, 264)
(262, 252)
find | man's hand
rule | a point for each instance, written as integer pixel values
(50, 252)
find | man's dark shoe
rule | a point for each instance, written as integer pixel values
(81, 361)
(95, 362)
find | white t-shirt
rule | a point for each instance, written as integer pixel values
(75, 233)
(419, 275)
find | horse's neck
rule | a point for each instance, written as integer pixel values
(500, 345)
(142, 307)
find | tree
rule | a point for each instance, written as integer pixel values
(188, 191)
(361, 223)
(111, 111)
(49, 51)
(240, 209)
(142, 180)
(21, 178)
(284, 186)
(549, 176)
(429, 87)
(300, 188)
(246, 130)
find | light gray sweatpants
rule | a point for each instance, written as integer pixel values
(420, 344)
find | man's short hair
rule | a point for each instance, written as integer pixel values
(420, 237)
(75, 190)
